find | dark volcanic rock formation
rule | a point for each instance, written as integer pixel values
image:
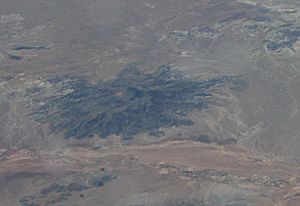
(132, 103)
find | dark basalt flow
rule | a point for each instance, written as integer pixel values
(132, 103)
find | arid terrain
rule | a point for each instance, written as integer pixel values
(150, 103)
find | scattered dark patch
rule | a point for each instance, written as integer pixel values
(297, 194)
(253, 27)
(11, 56)
(206, 29)
(56, 193)
(227, 200)
(262, 18)
(263, 10)
(100, 180)
(156, 133)
(236, 16)
(239, 85)
(53, 188)
(20, 175)
(227, 178)
(14, 57)
(180, 35)
(52, 194)
(75, 187)
(33, 90)
(62, 188)
(8, 77)
(203, 139)
(226, 141)
(236, 204)
(187, 203)
(18, 48)
(208, 140)
(132, 103)
(28, 201)
(283, 38)
(59, 198)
